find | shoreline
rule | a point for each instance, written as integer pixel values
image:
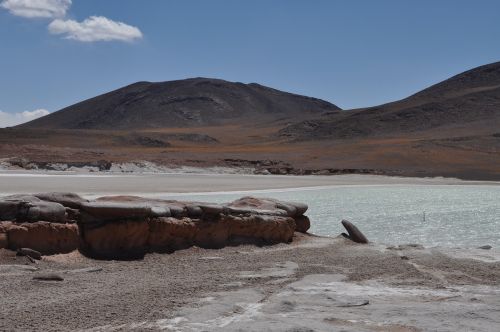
(314, 283)
(14, 182)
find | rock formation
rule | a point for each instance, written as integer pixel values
(128, 226)
(354, 233)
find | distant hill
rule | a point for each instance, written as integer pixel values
(468, 100)
(449, 129)
(192, 102)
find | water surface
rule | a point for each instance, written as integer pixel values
(431, 215)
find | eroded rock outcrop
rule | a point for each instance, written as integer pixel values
(45, 237)
(129, 226)
(354, 233)
(27, 208)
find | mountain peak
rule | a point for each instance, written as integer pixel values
(191, 102)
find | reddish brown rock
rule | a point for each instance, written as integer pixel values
(302, 224)
(169, 234)
(4, 242)
(212, 234)
(268, 229)
(119, 239)
(127, 226)
(47, 238)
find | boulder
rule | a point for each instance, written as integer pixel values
(111, 211)
(211, 209)
(302, 224)
(47, 238)
(43, 211)
(354, 233)
(26, 208)
(29, 252)
(69, 200)
(268, 206)
(8, 210)
(194, 211)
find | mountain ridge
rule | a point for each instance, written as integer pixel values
(183, 103)
(449, 129)
(471, 97)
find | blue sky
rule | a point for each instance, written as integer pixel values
(351, 53)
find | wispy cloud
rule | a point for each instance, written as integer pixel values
(92, 29)
(13, 119)
(37, 8)
(95, 28)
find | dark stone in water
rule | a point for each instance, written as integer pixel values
(486, 247)
(354, 233)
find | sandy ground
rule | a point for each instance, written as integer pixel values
(102, 184)
(313, 284)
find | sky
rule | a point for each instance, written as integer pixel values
(54, 53)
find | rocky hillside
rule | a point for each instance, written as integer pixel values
(185, 103)
(470, 100)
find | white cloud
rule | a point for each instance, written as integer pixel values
(13, 119)
(37, 8)
(95, 28)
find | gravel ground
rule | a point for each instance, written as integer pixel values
(312, 284)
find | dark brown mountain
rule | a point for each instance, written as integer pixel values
(193, 102)
(470, 100)
(449, 129)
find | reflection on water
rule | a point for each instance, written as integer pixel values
(452, 216)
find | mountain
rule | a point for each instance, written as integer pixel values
(449, 129)
(192, 102)
(470, 100)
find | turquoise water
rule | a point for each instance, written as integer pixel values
(455, 215)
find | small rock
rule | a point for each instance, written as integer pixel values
(486, 247)
(354, 233)
(406, 258)
(210, 258)
(29, 252)
(85, 270)
(359, 304)
(48, 277)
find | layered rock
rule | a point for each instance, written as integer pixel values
(45, 237)
(129, 226)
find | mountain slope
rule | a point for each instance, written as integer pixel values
(470, 100)
(185, 103)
